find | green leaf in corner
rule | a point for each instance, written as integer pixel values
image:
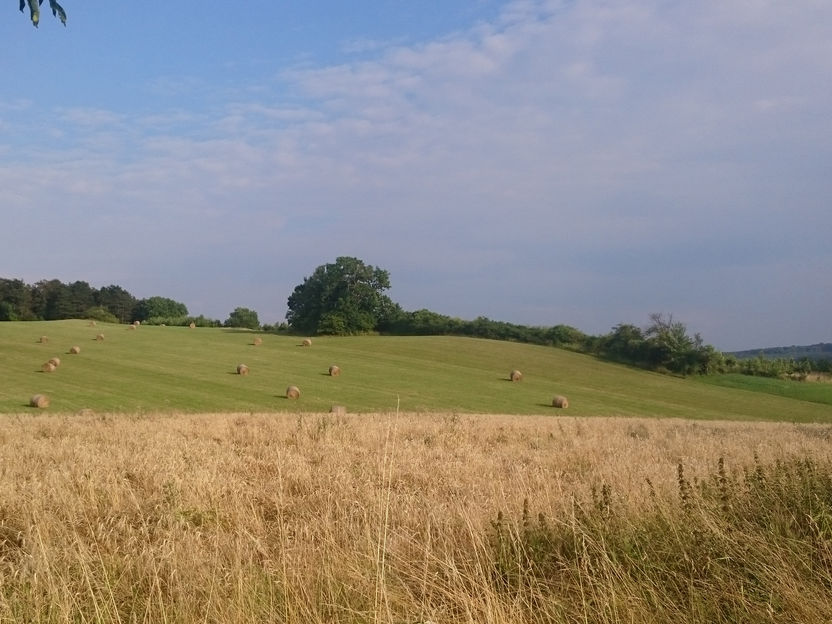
(34, 11)
(58, 11)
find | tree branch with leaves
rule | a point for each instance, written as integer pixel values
(34, 10)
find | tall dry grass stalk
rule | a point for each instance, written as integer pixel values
(371, 518)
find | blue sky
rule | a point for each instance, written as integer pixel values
(538, 162)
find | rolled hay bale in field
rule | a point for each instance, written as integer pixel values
(339, 410)
(242, 369)
(100, 337)
(515, 375)
(56, 361)
(307, 342)
(560, 401)
(257, 342)
(75, 350)
(334, 371)
(131, 327)
(39, 400)
(93, 323)
(292, 392)
(43, 340)
(137, 323)
(192, 325)
(48, 367)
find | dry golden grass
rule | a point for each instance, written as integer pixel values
(332, 518)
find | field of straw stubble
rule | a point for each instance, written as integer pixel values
(406, 518)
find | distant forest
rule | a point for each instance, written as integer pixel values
(664, 345)
(819, 351)
(52, 300)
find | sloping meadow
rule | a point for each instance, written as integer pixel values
(177, 369)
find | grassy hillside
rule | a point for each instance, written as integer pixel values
(170, 369)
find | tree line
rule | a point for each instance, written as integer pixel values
(347, 297)
(52, 300)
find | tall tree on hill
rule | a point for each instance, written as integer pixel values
(81, 297)
(34, 10)
(15, 300)
(117, 301)
(51, 300)
(669, 345)
(344, 297)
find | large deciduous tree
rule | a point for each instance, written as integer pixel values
(117, 301)
(15, 300)
(669, 345)
(34, 10)
(344, 297)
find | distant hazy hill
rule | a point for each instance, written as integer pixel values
(820, 351)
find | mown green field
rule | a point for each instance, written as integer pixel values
(167, 369)
(803, 391)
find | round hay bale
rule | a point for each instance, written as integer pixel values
(75, 350)
(93, 323)
(515, 375)
(307, 342)
(131, 327)
(48, 367)
(192, 325)
(39, 400)
(257, 342)
(137, 323)
(292, 392)
(44, 339)
(560, 401)
(334, 371)
(242, 369)
(56, 361)
(340, 410)
(99, 337)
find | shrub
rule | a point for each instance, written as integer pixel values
(100, 314)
